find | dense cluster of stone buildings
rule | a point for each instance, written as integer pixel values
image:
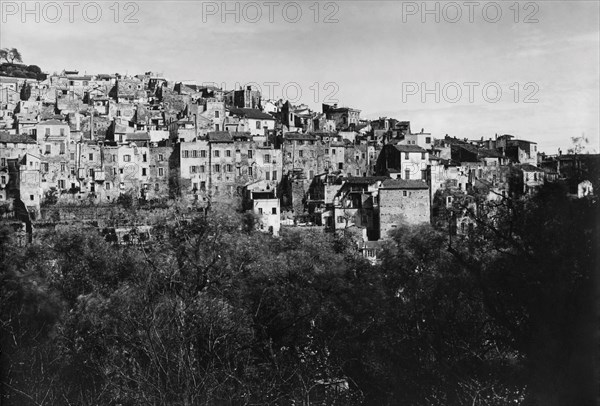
(77, 139)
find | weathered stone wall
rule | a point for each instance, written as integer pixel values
(397, 206)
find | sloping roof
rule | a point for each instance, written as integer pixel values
(529, 168)
(300, 136)
(251, 113)
(409, 148)
(53, 122)
(138, 137)
(241, 135)
(404, 184)
(16, 138)
(220, 136)
(365, 180)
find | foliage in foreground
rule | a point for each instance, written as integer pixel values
(213, 313)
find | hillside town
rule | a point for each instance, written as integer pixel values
(73, 145)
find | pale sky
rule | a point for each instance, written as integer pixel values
(379, 57)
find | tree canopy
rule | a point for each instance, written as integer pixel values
(211, 312)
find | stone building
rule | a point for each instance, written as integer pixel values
(403, 202)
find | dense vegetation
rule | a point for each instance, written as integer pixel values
(18, 70)
(214, 313)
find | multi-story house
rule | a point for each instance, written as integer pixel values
(407, 162)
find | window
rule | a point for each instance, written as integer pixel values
(107, 185)
(161, 157)
(3, 162)
(229, 168)
(300, 153)
(407, 174)
(250, 154)
(91, 173)
(217, 153)
(216, 113)
(406, 155)
(217, 168)
(422, 155)
(156, 187)
(62, 132)
(3, 180)
(333, 151)
(121, 171)
(202, 153)
(31, 197)
(202, 169)
(268, 175)
(144, 170)
(274, 210)
(427, 140)
(47, 132)
(72, 170)
(144, 158)
(274, 175)
(260, 210)
(48, 148)
(63, 167)
(423, 174)
(267, 159)
(258, 125)
(61, 184)
(202, 185)
(228, 153)
(193, 169)
(340, 219)
(340, 165)
(186, 154)
(45, 166)
(327, 150)
(161, 171)
(194, 186)
(404, 193)
(62, 148)
(91, 157)
(127, 158)
(194, 154)
(250, 171)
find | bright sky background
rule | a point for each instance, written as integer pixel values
(374, 51)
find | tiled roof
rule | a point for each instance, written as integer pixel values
(299, 136)
(251, 113)
(53, 122)
(409, 148)
(138, 137)
(220, 136)
(404, 184)
(365, 180)
(529, 168)
(16, 138)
